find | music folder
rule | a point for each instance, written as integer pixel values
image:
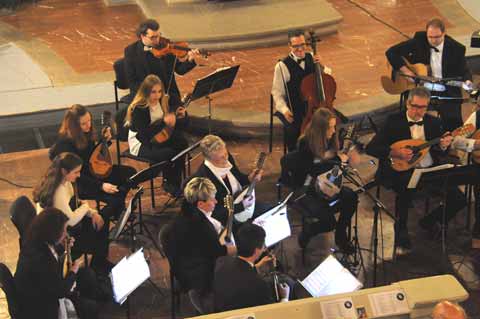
(329, 278)
(128, 274)
(275, 223)
(418, 172)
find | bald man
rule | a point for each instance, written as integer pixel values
(448, 310)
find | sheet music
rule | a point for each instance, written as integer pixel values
(329, 278)
(338, 308)
(389, 303)
(128, 275)
(275, 223)
(417, 173)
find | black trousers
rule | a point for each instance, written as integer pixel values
(324, 211)
(164, 152)
(455, 200)
(115, 203)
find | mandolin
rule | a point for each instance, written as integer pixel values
(476, 154)
(247, 213)
(165, 134)
(420, 148)
(225, 236)
(100, 162)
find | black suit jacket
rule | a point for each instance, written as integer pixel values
(194, 248)
(39, 282)
(237, 285)
(220, 213)
(417, 50)
(138, 65)
(396, 129)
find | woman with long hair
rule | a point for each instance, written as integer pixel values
(85, 224)
(317, 153)
(39, 281)
(77, 135)
(149, 114)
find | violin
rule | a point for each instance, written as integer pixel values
(318, 89)
(178, 49)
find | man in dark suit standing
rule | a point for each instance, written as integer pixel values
(237, 283)
(140, 61)
(446, 58)
(412, 124)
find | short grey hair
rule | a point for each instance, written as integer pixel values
(419, 91)
(211, 144)
(199, 189)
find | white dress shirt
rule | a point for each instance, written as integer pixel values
(436, 60)
(418, 133)
(281, 77)
(463, 143)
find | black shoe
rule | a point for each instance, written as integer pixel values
(434, 229)
(303, 240)
(403, 240)
(342, 242)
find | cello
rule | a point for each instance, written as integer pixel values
(318, 89)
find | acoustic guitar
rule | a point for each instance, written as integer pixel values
(247, 213)
(225, 236)
(398, 83)
(100, 162)
(420, 148)
(165, 134)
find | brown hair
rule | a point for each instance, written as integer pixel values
(436, 23)
(46, 227)
(70, 127)
(141, 98)
(315, 134)
(44, 191)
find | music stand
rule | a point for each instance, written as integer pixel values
(219, 80)
(454, 176)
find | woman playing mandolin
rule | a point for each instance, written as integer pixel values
(149, 116)
(77, 135)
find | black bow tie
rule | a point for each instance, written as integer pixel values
(300, 60)
(420, 123)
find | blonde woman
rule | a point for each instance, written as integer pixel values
(149, 114)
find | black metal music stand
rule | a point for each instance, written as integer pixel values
(377, 208)
(455, 176)
(122, 227)
(217, 81)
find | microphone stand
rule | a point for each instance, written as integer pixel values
(378, 207)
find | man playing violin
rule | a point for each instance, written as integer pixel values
(445, 57)
(287, 78)
(415, 123)
(140, 62)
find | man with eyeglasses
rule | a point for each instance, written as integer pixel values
(446, 58)
(415, 123)
(288, 76)
(140, 62)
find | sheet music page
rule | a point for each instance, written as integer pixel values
(128, 274)
(276, 225)
(417, 173)
(338, 308)
(329, 278)
(389, 303)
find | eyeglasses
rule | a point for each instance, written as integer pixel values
(299, 46)
(153, 37)
(418, 106)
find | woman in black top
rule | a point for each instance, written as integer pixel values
(148, 115)
(318, 152)
(78, 136)
(39, 280)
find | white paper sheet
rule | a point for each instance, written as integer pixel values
(275, 223)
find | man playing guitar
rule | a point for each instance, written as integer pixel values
(412, 124)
